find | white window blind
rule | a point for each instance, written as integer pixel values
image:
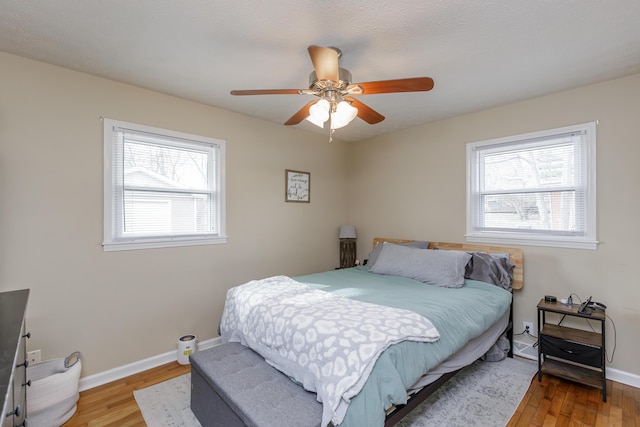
(536, 188)
(162, 188)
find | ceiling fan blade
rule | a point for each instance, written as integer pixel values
(268, 92)
(302, 114)
(365, 112)
(415, 84)
(325, 63)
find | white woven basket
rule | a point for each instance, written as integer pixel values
(53, 396)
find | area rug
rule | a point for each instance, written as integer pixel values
(483, 394)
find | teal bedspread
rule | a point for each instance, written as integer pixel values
(459, 315)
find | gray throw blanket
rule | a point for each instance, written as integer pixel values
(327, 343)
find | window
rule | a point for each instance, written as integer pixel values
(534, 189)
(161, 188)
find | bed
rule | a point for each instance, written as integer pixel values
(454, 321)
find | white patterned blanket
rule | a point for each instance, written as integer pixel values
(326, 342)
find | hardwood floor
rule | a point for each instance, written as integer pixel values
(557, 402)
(113, 405)
(552, 402)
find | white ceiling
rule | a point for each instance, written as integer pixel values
(481, 53)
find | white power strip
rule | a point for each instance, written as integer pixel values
(525, 350)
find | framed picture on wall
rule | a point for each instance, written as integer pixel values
(297, 186)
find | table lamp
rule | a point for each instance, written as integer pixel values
(347, 238)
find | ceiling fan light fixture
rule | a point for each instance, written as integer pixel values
(333, 85)
(319, 113)
(343, 115)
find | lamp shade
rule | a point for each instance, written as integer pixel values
(347, 232)
(319, 113)
(343, 115)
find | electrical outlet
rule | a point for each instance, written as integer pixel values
(527, 327)
(34, 356)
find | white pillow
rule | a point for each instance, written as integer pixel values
(435, 267)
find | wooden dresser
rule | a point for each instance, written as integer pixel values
(13, 357)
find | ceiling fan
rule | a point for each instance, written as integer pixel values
(333, 86)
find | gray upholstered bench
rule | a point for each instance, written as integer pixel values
(233, 386)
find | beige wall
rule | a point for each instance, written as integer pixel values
(121, 307)
(411, 184)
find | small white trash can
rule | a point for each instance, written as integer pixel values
(186, 345)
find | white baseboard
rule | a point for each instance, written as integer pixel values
(91, 381)
(101, 378)
(526, 350)
(623, 377)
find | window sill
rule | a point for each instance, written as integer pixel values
(527, 241)
(158, 243)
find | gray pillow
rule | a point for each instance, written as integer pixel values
(490, 268)
(373, 255)
(435, 267)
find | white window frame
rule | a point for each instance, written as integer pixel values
(587, 240)
(114, 239)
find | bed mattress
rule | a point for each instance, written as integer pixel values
(469, 320)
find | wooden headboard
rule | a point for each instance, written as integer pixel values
(515, 254)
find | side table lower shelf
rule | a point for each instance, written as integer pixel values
(574, 373)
